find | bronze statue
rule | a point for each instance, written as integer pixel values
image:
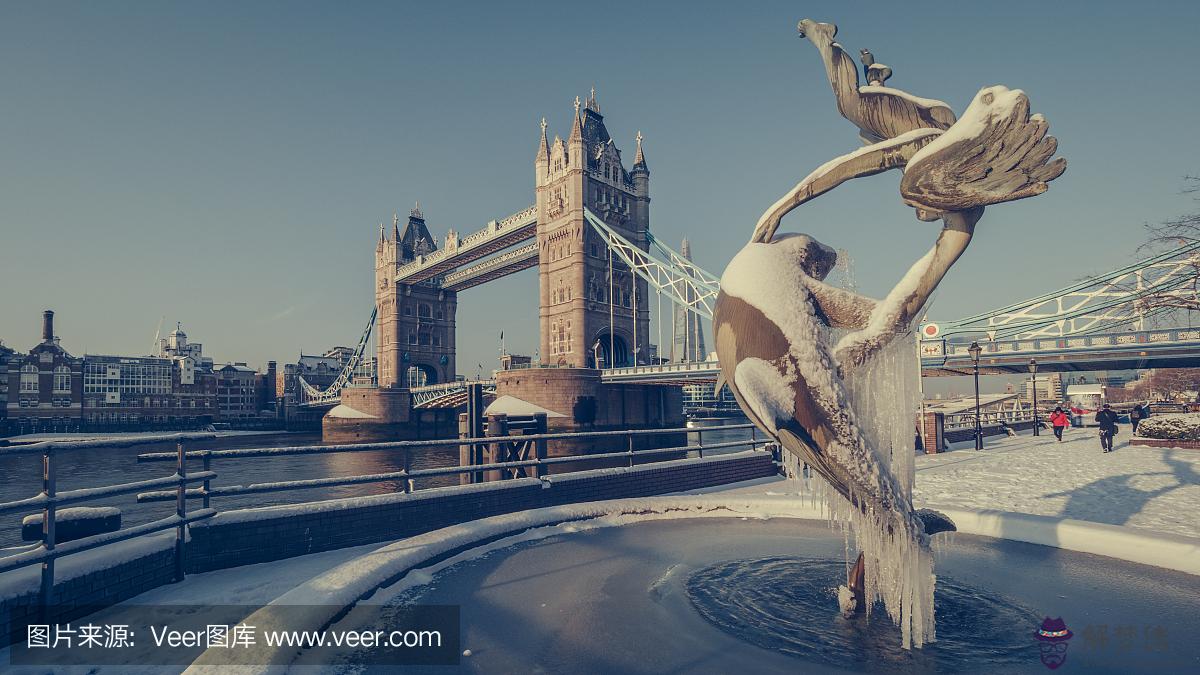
(773, 317)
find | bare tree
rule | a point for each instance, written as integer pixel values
(1171, 234)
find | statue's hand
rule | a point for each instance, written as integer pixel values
(819, 33)
(997, 152)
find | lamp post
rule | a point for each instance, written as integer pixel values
(975, 350)
(1033, 379)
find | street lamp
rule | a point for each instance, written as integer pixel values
(1033, 378)
(975, 350)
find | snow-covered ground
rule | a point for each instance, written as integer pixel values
(1150, 488)
(249, 586)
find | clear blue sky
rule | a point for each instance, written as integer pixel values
(227, 164)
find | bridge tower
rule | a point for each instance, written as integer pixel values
(586, 311)
(415, 341)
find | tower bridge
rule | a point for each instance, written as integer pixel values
(592, 311)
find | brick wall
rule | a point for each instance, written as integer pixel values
(83, 594)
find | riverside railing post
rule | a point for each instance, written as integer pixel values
(753, 438)
(539, 446)
(207, 483)
(180, 512)
(630, 437)
(408, 482)
(497, 426)
(700, 441)
(50, 489)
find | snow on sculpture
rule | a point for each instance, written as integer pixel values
(841, 405)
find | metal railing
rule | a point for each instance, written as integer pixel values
(50, 499)
(539, 463)
(966, 420)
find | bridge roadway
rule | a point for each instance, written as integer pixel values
(1165, 348)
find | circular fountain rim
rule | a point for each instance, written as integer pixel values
(319, 602)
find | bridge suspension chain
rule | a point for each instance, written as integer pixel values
(1094, 305)
(314, 396)
(683, 282)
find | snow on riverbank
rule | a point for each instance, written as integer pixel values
(116, 435)
(1148, 488)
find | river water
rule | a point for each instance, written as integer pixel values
(20, 475)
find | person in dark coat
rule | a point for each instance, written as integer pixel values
(1107, 419)
(1138, 414)
(1135, 416)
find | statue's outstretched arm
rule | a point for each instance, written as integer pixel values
(997, 152)
(895, 313)
(866, 161)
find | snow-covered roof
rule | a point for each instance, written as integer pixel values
(344, 411)
(511, 405)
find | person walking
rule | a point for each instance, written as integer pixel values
(1137, 415)
(1107, 419)
(1059, 421)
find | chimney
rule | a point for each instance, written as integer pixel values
(48, 326)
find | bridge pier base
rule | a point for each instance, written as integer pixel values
(578, 400)
(370, 414)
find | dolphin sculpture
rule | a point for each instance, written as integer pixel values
(772, 320)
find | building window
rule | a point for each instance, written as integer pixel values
(423, 310)
(29, 379)
(408, 310)
(62, 380)
(412, 338)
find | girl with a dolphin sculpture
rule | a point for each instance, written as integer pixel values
(773, 317)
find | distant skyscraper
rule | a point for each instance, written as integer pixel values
(688, 333)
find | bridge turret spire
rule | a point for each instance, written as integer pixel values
(382, 238)
(396, 225)
(639, 160)
(576, 126)
(543, 153)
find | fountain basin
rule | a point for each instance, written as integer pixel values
(601, 591)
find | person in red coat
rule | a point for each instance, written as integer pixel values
(1059, 421)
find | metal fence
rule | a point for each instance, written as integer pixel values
(49, 500)
(966, 420)
(532, 452)
(533, 458)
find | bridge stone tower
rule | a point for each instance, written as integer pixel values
(580, 319)
(415, 339)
